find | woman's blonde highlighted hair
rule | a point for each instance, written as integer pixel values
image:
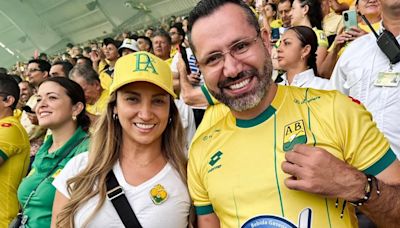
(104, 152)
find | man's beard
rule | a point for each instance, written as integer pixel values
(251, 98)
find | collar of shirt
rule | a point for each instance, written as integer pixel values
(300, 79)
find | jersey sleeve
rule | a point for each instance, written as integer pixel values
(197, 189)
(9, 133)
(364, 146)
(71, 169)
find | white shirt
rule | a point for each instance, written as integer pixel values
(187, 119)
(307, 79)
(355, 74)
(173, 212)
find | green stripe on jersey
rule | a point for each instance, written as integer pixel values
(3, 155)
(207, 95)
(382, 163)
(204, 210)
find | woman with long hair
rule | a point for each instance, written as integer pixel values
(60, 108)
(139, 139)
(309, 13)
(297, 56)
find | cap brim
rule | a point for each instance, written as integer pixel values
(149, 80)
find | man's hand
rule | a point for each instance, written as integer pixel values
(194, 78)
(315, 170)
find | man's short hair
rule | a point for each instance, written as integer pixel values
(85, 72)
(283, 1)
(43, 64)
(67, 66)
(147, 39)
(179, 28)
(9, 87)
(88, 61)
(162, 33)
(205, 8)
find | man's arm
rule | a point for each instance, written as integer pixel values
(192, 96)
(208, 221)
(315, 170)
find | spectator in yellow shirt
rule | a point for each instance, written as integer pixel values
(96, 97)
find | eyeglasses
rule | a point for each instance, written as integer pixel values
(172, 33)
(33, 70)
(237, 50)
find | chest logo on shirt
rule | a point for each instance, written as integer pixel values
(294, 133)
(158, 194)
(6, 125)
(214, 160)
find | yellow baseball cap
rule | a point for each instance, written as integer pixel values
(144, 67)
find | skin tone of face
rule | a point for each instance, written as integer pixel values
(241, 83)
(143, 112)
(92, 91)
(57, 71)
(25, 91)
(35, 75)
(284, 12)
(54, 109)
(111, 52)
(142, 45)
(290, 54)
(161, 47)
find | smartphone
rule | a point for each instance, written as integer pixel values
(275, 34)
(349, 19)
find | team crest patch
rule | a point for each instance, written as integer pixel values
(158, 194)
(6, 125)
(294, 133)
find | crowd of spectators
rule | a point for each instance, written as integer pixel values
(56, 107)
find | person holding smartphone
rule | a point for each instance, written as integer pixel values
(372, 10)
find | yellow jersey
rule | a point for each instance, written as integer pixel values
(14, 150)
(100, 105)
(235, 166)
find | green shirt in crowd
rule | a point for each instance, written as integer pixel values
(40, 205)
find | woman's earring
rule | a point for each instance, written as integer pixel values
(74, 118)
(115, 116)
(169, 120)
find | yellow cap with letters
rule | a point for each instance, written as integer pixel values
(144, 67)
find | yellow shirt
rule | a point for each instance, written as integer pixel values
(215, 111)
(235, 166)
(276, 23)
(14, 150)
(100, 105)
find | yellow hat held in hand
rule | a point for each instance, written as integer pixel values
(142, 67)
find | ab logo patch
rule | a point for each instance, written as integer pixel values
(294, 133)
(158, 194)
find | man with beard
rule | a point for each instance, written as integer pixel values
(283, 156)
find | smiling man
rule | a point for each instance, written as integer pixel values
(283, 156)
